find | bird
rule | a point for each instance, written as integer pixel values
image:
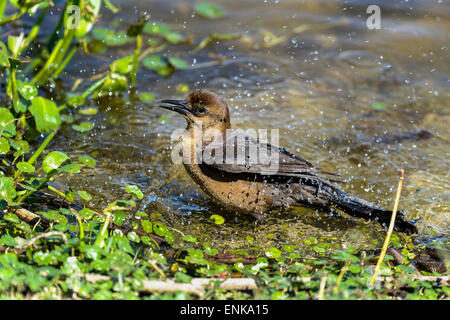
(259, 188)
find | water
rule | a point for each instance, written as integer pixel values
(311, 69)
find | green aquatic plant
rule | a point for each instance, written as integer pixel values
(54, 246)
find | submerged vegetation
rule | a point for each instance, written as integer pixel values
(53, 246)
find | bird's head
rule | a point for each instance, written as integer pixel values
(203, 108)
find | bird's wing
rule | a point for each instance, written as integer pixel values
(245, 154)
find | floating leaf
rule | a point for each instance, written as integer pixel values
(217, 219)
(74, 99)
(110, 37)
(178, 63)
(174, 37)
(158, 64)
(380, 106)
(164, 120)
(7, 126)
(25, 167)
(189, 238)
(209, 10)
(135, 191)
(72, 168)
(215, 37)
(83, 127)
(84, 195)
(182, 87)
(45, 114)
(155, 28)
(87, 160)
(53, 160)
(154, 62)
(88, 111)
(66, 118)
(146, 97)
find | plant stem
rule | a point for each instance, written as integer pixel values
(13, 17)
(137, 52)
(49, 62)
(64, 63)
(93, 87)
(391, 228)
(39, 187)
(42, 147)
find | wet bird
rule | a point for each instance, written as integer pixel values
(257, 188)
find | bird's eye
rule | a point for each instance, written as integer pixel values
(201, 109)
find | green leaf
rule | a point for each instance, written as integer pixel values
(123, 65)
(178, 63)
(154, 63)
(189, 238)
(319, 249)
(87, 160)
(25, 167)
(147, 226)
(83, 127)
(74, 99)
(53, 160)
(288, 248)
(380, 106)
(7, 126)
(174, 37)
(116, 83)
(158, 64)
(88, 111)
(72, 168)
(146, 97)
(135, 191)
(132, 236)
(15, 44)
(46, 114)
(209, 10)
(4, 60)
(164, 119)
(110, 37)
(4, 145)
(182, 277)
(86, 213)
(155, 28)
(7, 189)
(27, 90)
(273, 253)
(160, 229)
(217, 219)
(21, 146)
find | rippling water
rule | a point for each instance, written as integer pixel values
(318, 85)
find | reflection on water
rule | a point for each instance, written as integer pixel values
(358, 102)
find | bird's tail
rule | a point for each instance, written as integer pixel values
(361, 208)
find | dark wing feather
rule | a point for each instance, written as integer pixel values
(278, 161)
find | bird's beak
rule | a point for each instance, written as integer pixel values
(179, 106)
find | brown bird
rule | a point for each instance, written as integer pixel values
(253, 187)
